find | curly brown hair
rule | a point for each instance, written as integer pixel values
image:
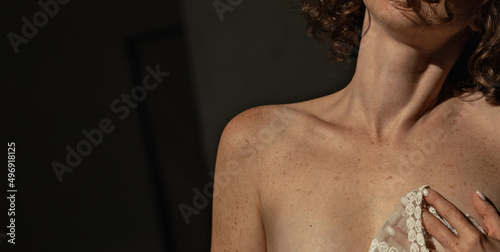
(338, 24)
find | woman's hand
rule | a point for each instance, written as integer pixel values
(469, 238)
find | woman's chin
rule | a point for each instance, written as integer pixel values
(401, 5)
(393, 12)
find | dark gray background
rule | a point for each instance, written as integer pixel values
(124, 196)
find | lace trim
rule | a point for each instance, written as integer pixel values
(406, 218)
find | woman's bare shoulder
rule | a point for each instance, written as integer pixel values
(259, 128)
(253, 120)
(242, 158)
(247, 132)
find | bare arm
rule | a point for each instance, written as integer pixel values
(237, 222)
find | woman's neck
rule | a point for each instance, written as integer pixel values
(396, 84)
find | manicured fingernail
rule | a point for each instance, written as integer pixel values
(390, 231)
(403, 201)
(481, 195)
(425, 192)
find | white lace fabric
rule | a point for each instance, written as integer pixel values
(405, 225)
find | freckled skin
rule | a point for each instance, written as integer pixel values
(323, 175)
(342, 196)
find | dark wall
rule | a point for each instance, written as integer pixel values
(123, 195)
(125, 191)
(254, 53)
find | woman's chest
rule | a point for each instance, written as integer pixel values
(319, 201)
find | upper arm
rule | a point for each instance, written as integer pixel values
(236, 221)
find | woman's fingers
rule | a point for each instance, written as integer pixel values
(398, 235)
(438, 230)
(490, 215)
(450, 213)
(469, 238)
